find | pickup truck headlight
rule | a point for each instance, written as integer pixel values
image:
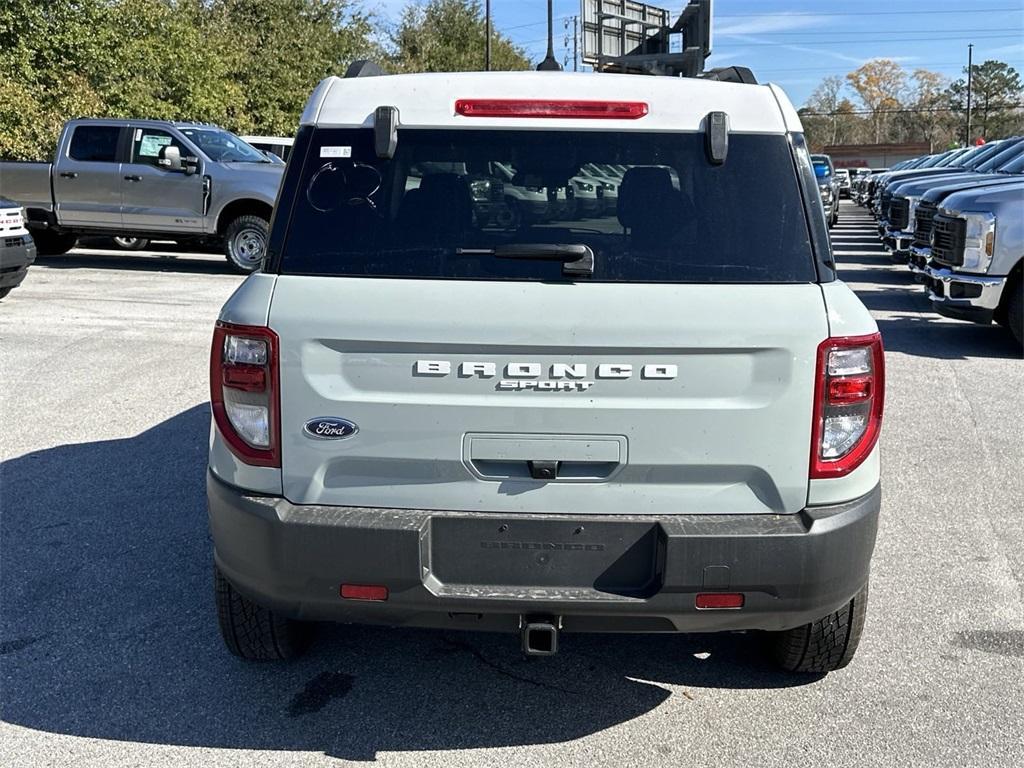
(826, 192)
(979, 241)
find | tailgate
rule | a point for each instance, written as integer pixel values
(633, 399)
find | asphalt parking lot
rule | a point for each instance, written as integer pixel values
(108, 643)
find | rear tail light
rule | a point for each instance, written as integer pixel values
(244, 387)
(848, 397)
(591, 110)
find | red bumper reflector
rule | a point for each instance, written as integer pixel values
(364, 592)
(720, 600)
(592, 110)
(849, 390)
(250, 378)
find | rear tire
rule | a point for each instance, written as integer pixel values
(824, 645)
(253, 632)
(245, 243)
(50, 243)
(5, 291)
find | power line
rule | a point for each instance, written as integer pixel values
(878, 32)
(915, 40)
(874, 13)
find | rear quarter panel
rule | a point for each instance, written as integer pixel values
(847, 316)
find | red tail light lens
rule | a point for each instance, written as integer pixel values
(590, 110)
(244, 387)
(848, 399)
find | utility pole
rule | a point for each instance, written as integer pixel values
(487, 36)
(970, 72)
(575, 37)
(565, 41)
(550, 63)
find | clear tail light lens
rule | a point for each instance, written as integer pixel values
(848, 398)
(244, 388)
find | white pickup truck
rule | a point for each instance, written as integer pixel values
(149, 179)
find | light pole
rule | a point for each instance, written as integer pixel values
(550, 63)
(970, 72)
(487, 36)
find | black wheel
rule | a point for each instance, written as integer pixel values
(252, 631)
(53, 243)
(130, 243)
(1014, 309)
(5, 291)
(826, 644)
(245, 242)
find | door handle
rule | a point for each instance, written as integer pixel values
(132, 177)
(68, 175)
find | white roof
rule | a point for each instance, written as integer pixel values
(428, 101)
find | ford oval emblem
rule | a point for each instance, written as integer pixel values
(329, 428)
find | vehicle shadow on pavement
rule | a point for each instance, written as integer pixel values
(197, 264)
(108, 631)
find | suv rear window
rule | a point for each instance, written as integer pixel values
(649, 205)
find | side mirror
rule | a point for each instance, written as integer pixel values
(170, 158)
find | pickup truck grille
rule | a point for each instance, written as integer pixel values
(948, 239)
(899, 213)
(923, 224)
(886, 203)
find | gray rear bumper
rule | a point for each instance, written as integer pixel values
(443, 569)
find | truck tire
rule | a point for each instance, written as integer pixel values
(245, 242)
(53, 243)
(823, 645)
(253, 632)
(130, 243)
(5, 291)
(1015, 309)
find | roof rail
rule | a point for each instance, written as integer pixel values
(363, 68)
(730, 75)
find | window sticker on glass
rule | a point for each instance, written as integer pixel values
(151, 145)
(335, 151)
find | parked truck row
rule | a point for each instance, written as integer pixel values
(955, 219)
(146, 179)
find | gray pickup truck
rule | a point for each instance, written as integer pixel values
(976, 270)
(188, 182)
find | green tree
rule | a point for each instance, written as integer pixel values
(996, 90)
(246, 64)
(449, 36)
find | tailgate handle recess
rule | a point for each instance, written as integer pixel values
(544, 457)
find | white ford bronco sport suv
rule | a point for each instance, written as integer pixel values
(662, 418)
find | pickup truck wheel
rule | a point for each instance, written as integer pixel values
(53, 244)
(131, 243)
(252, 631)
(826, 644)
(5, 291)
(245, 242)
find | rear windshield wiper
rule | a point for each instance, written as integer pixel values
(577, 259)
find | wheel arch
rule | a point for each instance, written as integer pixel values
(242, 207)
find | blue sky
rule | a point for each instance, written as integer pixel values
(796, 43)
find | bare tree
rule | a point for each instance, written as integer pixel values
(880, 84)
